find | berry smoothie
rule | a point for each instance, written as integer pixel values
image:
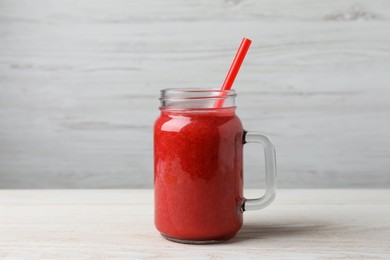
(198, 174)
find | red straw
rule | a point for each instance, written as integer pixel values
(234, 68)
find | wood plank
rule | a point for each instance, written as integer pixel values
(116, 224)
(79, 83)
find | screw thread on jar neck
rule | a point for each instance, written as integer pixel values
(196, 99)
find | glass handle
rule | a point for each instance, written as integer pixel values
(270, 171)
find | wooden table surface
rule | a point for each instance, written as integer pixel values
(118, 224)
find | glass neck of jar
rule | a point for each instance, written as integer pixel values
(197, 100)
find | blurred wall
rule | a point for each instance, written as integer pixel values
(79, 86)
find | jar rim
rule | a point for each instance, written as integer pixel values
(195, 93)
(196, 99)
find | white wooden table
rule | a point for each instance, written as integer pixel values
(118, 224)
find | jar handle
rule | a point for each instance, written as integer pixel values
(270, 171)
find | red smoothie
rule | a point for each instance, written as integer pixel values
(198, 174)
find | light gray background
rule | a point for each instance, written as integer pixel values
(79, 86)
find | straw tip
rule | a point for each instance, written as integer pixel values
(247, 40)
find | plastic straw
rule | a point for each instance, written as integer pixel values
(234, 68)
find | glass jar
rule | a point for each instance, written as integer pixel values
(198, 166)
